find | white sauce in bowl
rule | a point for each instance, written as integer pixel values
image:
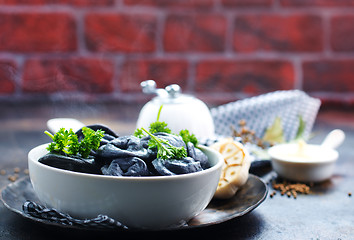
(303, 153)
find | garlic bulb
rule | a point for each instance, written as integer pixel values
(235, 169)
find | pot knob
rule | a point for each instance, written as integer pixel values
(171, 91)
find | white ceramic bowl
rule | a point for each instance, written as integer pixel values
(142, 202)
(319, 165)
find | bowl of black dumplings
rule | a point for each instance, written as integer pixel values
(125, 180)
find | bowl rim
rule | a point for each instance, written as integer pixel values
(217, 166)
(274, 151)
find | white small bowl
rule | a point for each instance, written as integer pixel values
(141, 202)
(318, 166)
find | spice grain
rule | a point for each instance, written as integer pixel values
(291, 189)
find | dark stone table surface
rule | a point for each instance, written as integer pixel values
(326, 213)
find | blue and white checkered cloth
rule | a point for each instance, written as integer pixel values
(261, 111)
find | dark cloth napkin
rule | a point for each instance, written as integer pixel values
(52, 215)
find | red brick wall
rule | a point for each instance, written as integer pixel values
(220, 50)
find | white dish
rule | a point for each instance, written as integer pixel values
(318, 165)
(306, 162)
(138, 202)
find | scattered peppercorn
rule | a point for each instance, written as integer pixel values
(2, 172)
(17, 170)
(272, 194)
(26, 171)
(13, 178)
(290, 189)
(349, 194)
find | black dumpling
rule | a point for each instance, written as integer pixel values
(130, 143)
(175, 167)
(110, 152)
(71, 163)
(172, 139)
(198, 155)
(131, 166)
(112, 169)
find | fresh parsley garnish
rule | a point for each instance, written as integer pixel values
(91, 141)
(63, 141)
(154, 127)
(139, 133)
(66, 141)
(158, 126)
(164, 149)
(188, 137)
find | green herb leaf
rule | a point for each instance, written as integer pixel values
(188, 137)
(159, 113)
(139, 133)
(164, 149)
(157, 126)
(90, 142)
(63, 141)
(66, 142)
(154, 127)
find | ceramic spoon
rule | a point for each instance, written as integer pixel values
(334, 139)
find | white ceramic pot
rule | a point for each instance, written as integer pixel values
(190, 113)
(142, 202)
(179, 111)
